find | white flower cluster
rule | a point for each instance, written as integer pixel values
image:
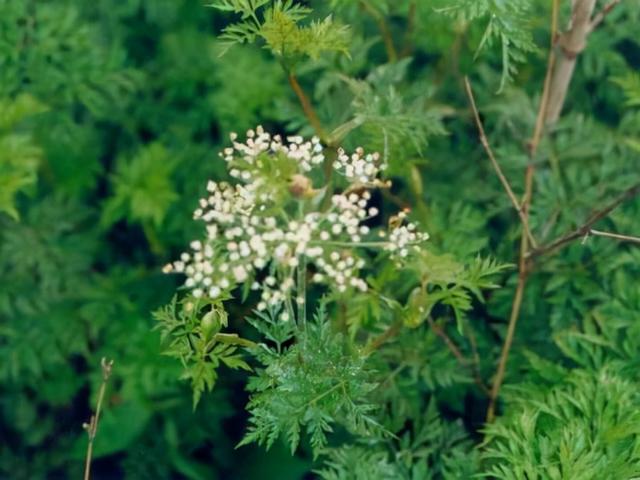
(251, 237)
(246, 159)
(403, 237)
(359, 167)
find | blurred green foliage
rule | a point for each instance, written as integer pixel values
(112, 115)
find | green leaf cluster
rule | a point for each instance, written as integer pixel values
(507, 24)
(280, 29)
(307, 387)
(19, 153)
(194, 336)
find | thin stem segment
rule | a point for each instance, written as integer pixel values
(496, 165)
(92, 426)
(301, 301)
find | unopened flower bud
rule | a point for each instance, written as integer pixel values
(300, 186)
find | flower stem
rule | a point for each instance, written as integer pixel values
(301, 301)
(92, 426)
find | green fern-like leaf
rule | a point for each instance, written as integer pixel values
(506, 24)
(19, 154)
(630, 84)
(143, 189)
(309, 387)
(585, 427)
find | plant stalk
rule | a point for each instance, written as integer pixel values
(92, 426)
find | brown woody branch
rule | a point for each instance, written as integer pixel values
(585, 228)
(601, 15)
(560, 68)
(307, 108)
(384, 337)
(616, 236)
(411, 25)
(523, 275)
(387, 38)
(462, 360)
(396, 327)
(496, 165)
(571, 44)
(523, 264)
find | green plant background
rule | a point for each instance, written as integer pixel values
(111, 117)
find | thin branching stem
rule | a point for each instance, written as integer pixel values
(307, 107)
(319, 397)
(407, 47)
(391, 331)
(599, 17)
(496, 165)
(92, 426)
(526, 239)
(387, 38)
(617, 236)
(544, 99)
(585, 228)
(462, 360)
(396, 327)
(523, 274)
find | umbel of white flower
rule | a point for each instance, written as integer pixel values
(272, 222)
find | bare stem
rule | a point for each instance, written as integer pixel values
(617, 236)
(387, 38)
(599, 17)
(385, 336)
(307, 108)
(92, 426)
(544, 100)
(496, 165)
(394, 329)
(523, 266)
(523, 273)
(585, 228)
(302, 291)
(411, 25)
(571, 43)
(462, 360)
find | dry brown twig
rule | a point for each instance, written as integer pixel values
(384, 337)
(387, 38)
(92, 426)
(496, 166)
(409, 32)
(560, 69)
(307, 107)
(462, 360)
(600, 16)
(524, 269)
(523, 264)
(616, 236)
(585, 228)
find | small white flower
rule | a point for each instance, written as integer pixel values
(240, 273)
